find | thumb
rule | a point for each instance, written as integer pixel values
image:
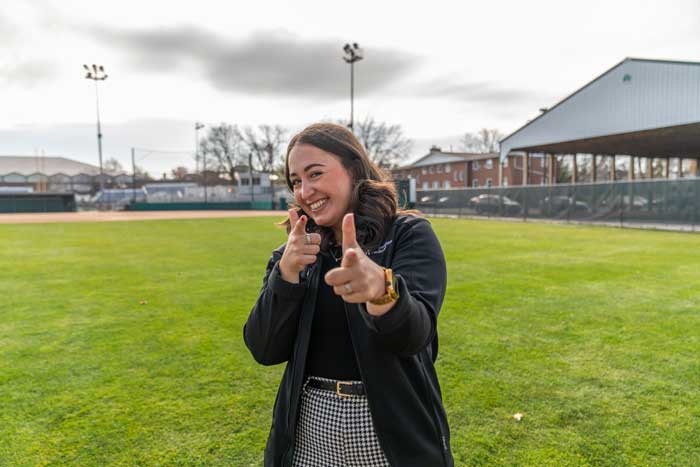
(349, 236)
(349, 258)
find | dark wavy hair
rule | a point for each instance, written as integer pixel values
(373, 200)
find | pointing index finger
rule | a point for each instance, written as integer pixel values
(299, 226)
(293, 218)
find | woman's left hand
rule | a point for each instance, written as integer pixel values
(358, 279)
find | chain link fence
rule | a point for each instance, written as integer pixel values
(667, 204)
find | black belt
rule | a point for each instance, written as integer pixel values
(341, 388)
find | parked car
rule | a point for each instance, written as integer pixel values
(494, 204)
(636, 202)
(556, 205)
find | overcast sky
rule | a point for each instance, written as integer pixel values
(438, 68)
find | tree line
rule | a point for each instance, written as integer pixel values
(229, 148)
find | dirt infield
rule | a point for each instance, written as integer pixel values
(119, 216)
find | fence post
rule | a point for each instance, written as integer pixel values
(525, 204)
(621, 207)
(694, 204)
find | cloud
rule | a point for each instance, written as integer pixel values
(480, 92)
(8, 31)
(26, 74)
(272, 63)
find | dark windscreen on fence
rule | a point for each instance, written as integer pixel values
(671, 203)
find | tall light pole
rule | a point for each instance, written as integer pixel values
(198, 126)
(97, 73)
(271, 151)
(353, 53)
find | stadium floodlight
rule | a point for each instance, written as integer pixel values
(353, 53)
(96, 74)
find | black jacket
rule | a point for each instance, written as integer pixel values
(395, 352)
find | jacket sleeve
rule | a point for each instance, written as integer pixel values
(271, 328)
(419, 266)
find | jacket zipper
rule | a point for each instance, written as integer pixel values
(362, 375)
(312, 277)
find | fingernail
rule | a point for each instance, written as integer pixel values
(303, 218)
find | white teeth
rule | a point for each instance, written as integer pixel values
(317, 204)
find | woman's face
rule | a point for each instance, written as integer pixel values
(322, 186)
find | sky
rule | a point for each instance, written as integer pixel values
(438, 68)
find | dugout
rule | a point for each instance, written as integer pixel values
(37, 202)
(640, 120)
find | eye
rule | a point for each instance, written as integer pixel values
(315, 174)
(296, 182)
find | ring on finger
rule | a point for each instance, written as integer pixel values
(348, 288)
(308, 238)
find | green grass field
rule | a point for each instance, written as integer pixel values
(593, 334)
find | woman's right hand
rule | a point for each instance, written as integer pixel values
(301, 248)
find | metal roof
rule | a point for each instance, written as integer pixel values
(638, 107)
(47, 165)
(440, 157)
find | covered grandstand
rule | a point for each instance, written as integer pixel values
(638, 120)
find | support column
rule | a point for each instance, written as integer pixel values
(613, 175)
(667, 169)
(631, 172)
(697, 167)
(595, 168)
(551, 169)
(650, 167)
(500, 172)
(574, 174)
(680, 167)
(526, 163)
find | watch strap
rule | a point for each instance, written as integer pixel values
(390, 295)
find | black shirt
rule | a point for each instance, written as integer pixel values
(331, 354)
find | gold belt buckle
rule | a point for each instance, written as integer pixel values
(337, 388)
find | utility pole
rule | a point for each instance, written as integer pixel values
(97, 73)
(198, 126)
(270, 151)
(133, 175)
(353, 53)
(250, 175)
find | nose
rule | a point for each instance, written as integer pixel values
(306, 190)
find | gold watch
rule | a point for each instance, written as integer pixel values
(391, 294)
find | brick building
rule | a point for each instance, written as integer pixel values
(440, 170)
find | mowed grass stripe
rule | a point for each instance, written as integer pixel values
(591, 333)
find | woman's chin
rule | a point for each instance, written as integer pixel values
(323, 221)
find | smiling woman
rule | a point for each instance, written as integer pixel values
(351, 302)
(344, 176)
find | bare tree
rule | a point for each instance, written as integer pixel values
(266, 143)
(112, 165)
(385, 144)
(141, 174)
(223, 148)
(483, 141)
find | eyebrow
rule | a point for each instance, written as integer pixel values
(307, 168)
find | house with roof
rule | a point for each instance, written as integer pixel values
(440, 170)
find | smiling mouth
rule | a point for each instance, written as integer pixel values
(318, 204)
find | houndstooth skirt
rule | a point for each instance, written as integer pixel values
(335, 431)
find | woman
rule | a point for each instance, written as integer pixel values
(350, 302)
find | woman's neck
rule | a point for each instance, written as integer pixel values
(338, 234)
